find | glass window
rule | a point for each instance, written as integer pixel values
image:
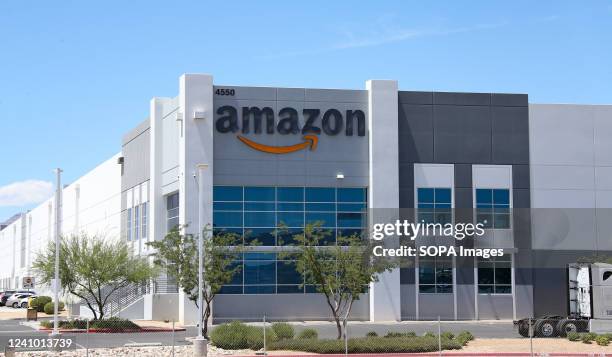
(172, 211)
(436, 276)
(227, 219)
(144, 213)
(256, 214)
(259, 194)
(493, 208)
(495, 275)
(290, 194)
(227, 193)
(128, 224)
(260, 219)
(351, 195)
(434, 205)
(320, 194)
(136, 223)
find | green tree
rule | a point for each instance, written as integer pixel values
(341, 272)
(92, 268)
(178, 254)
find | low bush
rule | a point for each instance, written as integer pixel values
(114, 324)
(49, 308)
(236, 336)
(39, 303)
(430, 334)
(372, 334)
(366, 345)
(410, 334)
(464, 337)
(573, 336)
(588, 337)
(308, 334)
(283, 330)
(602, 340)
(448, 335)
(392, 334)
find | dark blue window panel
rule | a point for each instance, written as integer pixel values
(443, 195)
(426, 206)
(425, 195)
(172, 201)
(290, 219)
(259, 289)
(227, 193)
(289, 289)
(501, 221)
(260, 236)
(290, 194)
(351, 195)
(351, 207)
(311, 289)
(351, 220)
(501, 209)
(231, 289)
(501, 196)
(427, 274)
(227, 206)
(258, 272)
(219, 231)
(227, 219)
(288, 236)
(287, 273)
(237, 278)
(484, 196)
(326, 207)
(259, 194)
(290, 206)
(326, 219)
(426, 217)
(259, 219)
(328, 237)
(259, 206)
(350, 232)
(320, 194)
(259, 256)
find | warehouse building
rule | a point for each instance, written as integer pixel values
(539, 175)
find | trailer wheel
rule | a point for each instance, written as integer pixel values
(545, 328)
(523, 328)
(566, 326)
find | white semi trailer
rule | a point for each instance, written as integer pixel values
(589, 302)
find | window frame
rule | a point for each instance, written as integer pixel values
(493, 205)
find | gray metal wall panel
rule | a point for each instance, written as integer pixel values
(281, 307)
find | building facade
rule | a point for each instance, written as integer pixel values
(538, 175)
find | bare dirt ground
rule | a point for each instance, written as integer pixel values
(540, 345)
(8, 313)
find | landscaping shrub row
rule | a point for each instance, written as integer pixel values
(367, 345)
(588, 337)
(113, 323)
(281, 336)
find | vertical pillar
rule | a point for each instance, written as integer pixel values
(383, 193)
(195, 148)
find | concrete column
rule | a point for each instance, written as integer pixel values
(383, 193)
(195, 147)
(157, 206)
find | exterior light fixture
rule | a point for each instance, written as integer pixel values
(339, 176)
(199, 116)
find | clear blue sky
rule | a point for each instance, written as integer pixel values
(75, 76)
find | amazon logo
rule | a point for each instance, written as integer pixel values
(255, 119)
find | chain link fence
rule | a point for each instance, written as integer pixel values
(255, 336)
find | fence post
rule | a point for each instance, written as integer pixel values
(531, 336)
(345, 336)
(264, 336)
(87, 337)
(173, 336)
(439, 337)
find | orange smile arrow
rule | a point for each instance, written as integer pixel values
(310, 140)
